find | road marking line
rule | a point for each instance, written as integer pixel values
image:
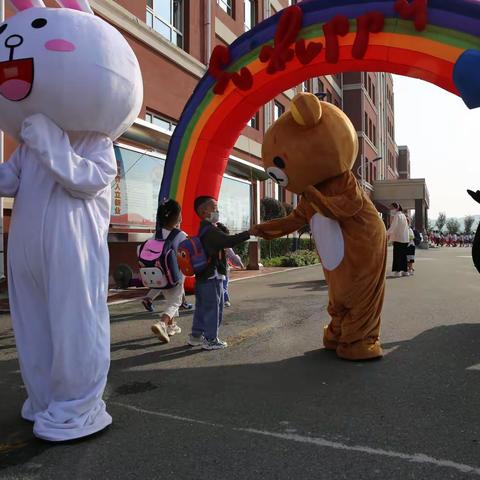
(166, 415)
(319, 442)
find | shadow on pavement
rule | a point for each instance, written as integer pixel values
(309, 285)
(422, 397)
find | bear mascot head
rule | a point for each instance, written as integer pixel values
(311, 143)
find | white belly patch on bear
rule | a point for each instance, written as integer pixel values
(329, 240)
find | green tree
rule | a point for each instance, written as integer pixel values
(441, 220)
(453, 226)
(271, 209)
(468, 222)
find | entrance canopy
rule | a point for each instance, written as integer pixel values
(439, 43)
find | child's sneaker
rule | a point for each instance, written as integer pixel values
(227, 304)
(195, 341)
(215, 344)
(173, 329)
(186, 306)
(148, 304)
(160, 330)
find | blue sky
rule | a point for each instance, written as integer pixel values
(444, 140)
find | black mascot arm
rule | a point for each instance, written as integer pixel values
(476, 241)
(474, 195)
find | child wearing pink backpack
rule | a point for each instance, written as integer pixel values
(169, 216)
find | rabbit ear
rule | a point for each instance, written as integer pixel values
(81, 5)
(20, 5)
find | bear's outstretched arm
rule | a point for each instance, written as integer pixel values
(342, 196)
(82, 177)
(283, 226)
(10, 175)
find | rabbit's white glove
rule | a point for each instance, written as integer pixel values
(38, 132)
(83, 176)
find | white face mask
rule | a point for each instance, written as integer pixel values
(214, 217)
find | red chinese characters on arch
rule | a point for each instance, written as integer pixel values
(416, 11)
(286, 47)
(221, 58)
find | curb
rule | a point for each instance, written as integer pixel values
(273, 273)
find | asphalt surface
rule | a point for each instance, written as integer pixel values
(275, 405)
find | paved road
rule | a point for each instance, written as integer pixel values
(276, 405)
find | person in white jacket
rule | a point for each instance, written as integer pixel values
(64, 119)
(398, 235)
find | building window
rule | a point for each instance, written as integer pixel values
(166, 18)
(269, 188)
(278, 110)
(370, 129)
(254, 122)
(235, 203)
(136, 186)
(365, 127)
(374, 94)
(374, 139)
(226, 6)
(250, 14)
(329, 97)
(161, 122)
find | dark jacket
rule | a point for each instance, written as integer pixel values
(214, 242)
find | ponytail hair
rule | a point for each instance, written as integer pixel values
(167, 211)
(397, 206)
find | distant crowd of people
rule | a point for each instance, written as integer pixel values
(438, 239)
(404, 237)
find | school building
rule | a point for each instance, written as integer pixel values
(173, 40)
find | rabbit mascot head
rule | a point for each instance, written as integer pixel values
(71, 66)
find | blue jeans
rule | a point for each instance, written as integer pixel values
(208, 314)
(226, 296)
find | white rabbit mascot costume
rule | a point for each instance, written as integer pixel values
(69, 85)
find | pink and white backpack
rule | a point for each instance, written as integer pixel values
(158, 261)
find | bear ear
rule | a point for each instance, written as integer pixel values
(306, 109)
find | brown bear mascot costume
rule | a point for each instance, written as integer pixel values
(310, 151)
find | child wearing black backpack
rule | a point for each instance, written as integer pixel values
(169, 216)
(209, 295)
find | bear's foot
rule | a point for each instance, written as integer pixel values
(330, 341)
(362, 350)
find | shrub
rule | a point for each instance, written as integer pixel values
(301, 258)
(271, 209)
(282, 246)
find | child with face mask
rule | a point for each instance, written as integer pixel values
(209, 295)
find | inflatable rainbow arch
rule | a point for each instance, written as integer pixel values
(437, 41)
